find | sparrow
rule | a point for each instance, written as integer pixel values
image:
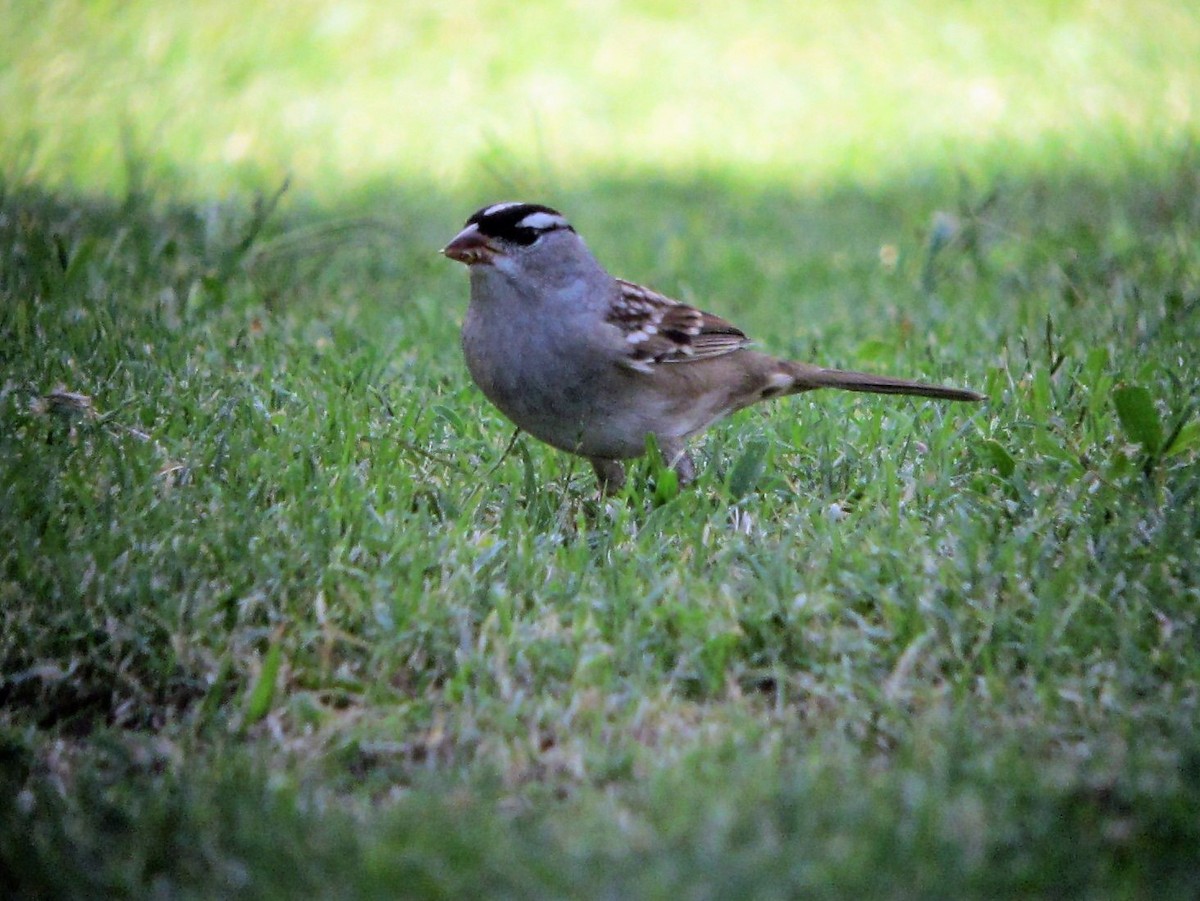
(593, 365)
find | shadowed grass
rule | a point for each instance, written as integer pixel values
(215, 472)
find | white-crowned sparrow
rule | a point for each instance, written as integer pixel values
(592, 364)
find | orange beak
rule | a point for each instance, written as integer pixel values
(471, 247)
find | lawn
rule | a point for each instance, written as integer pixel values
(282, 613)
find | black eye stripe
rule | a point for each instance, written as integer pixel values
(522, 236)
(520, 223)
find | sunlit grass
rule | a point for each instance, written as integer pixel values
(223, 94)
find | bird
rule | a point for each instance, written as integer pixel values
(592, 364)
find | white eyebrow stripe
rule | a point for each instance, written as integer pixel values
(500, 207)
(541, 221)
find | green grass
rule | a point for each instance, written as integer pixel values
(279, 616)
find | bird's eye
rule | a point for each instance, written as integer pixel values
(518, 223)
(530, 227)
(524, 236)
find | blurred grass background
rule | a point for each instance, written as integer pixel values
(266, 629)
(223, 95)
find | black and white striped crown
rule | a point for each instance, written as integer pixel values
(520, 223)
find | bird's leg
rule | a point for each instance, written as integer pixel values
(685, 468)
(680, 461)
(609, 473)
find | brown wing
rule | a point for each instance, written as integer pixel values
(660, 329)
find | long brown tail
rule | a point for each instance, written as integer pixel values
(808, 377)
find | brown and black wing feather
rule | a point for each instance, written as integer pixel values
(660, 329)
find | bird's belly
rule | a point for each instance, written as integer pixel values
(546, 390)
(595, 409)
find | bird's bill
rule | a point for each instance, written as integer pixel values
(470, 246)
